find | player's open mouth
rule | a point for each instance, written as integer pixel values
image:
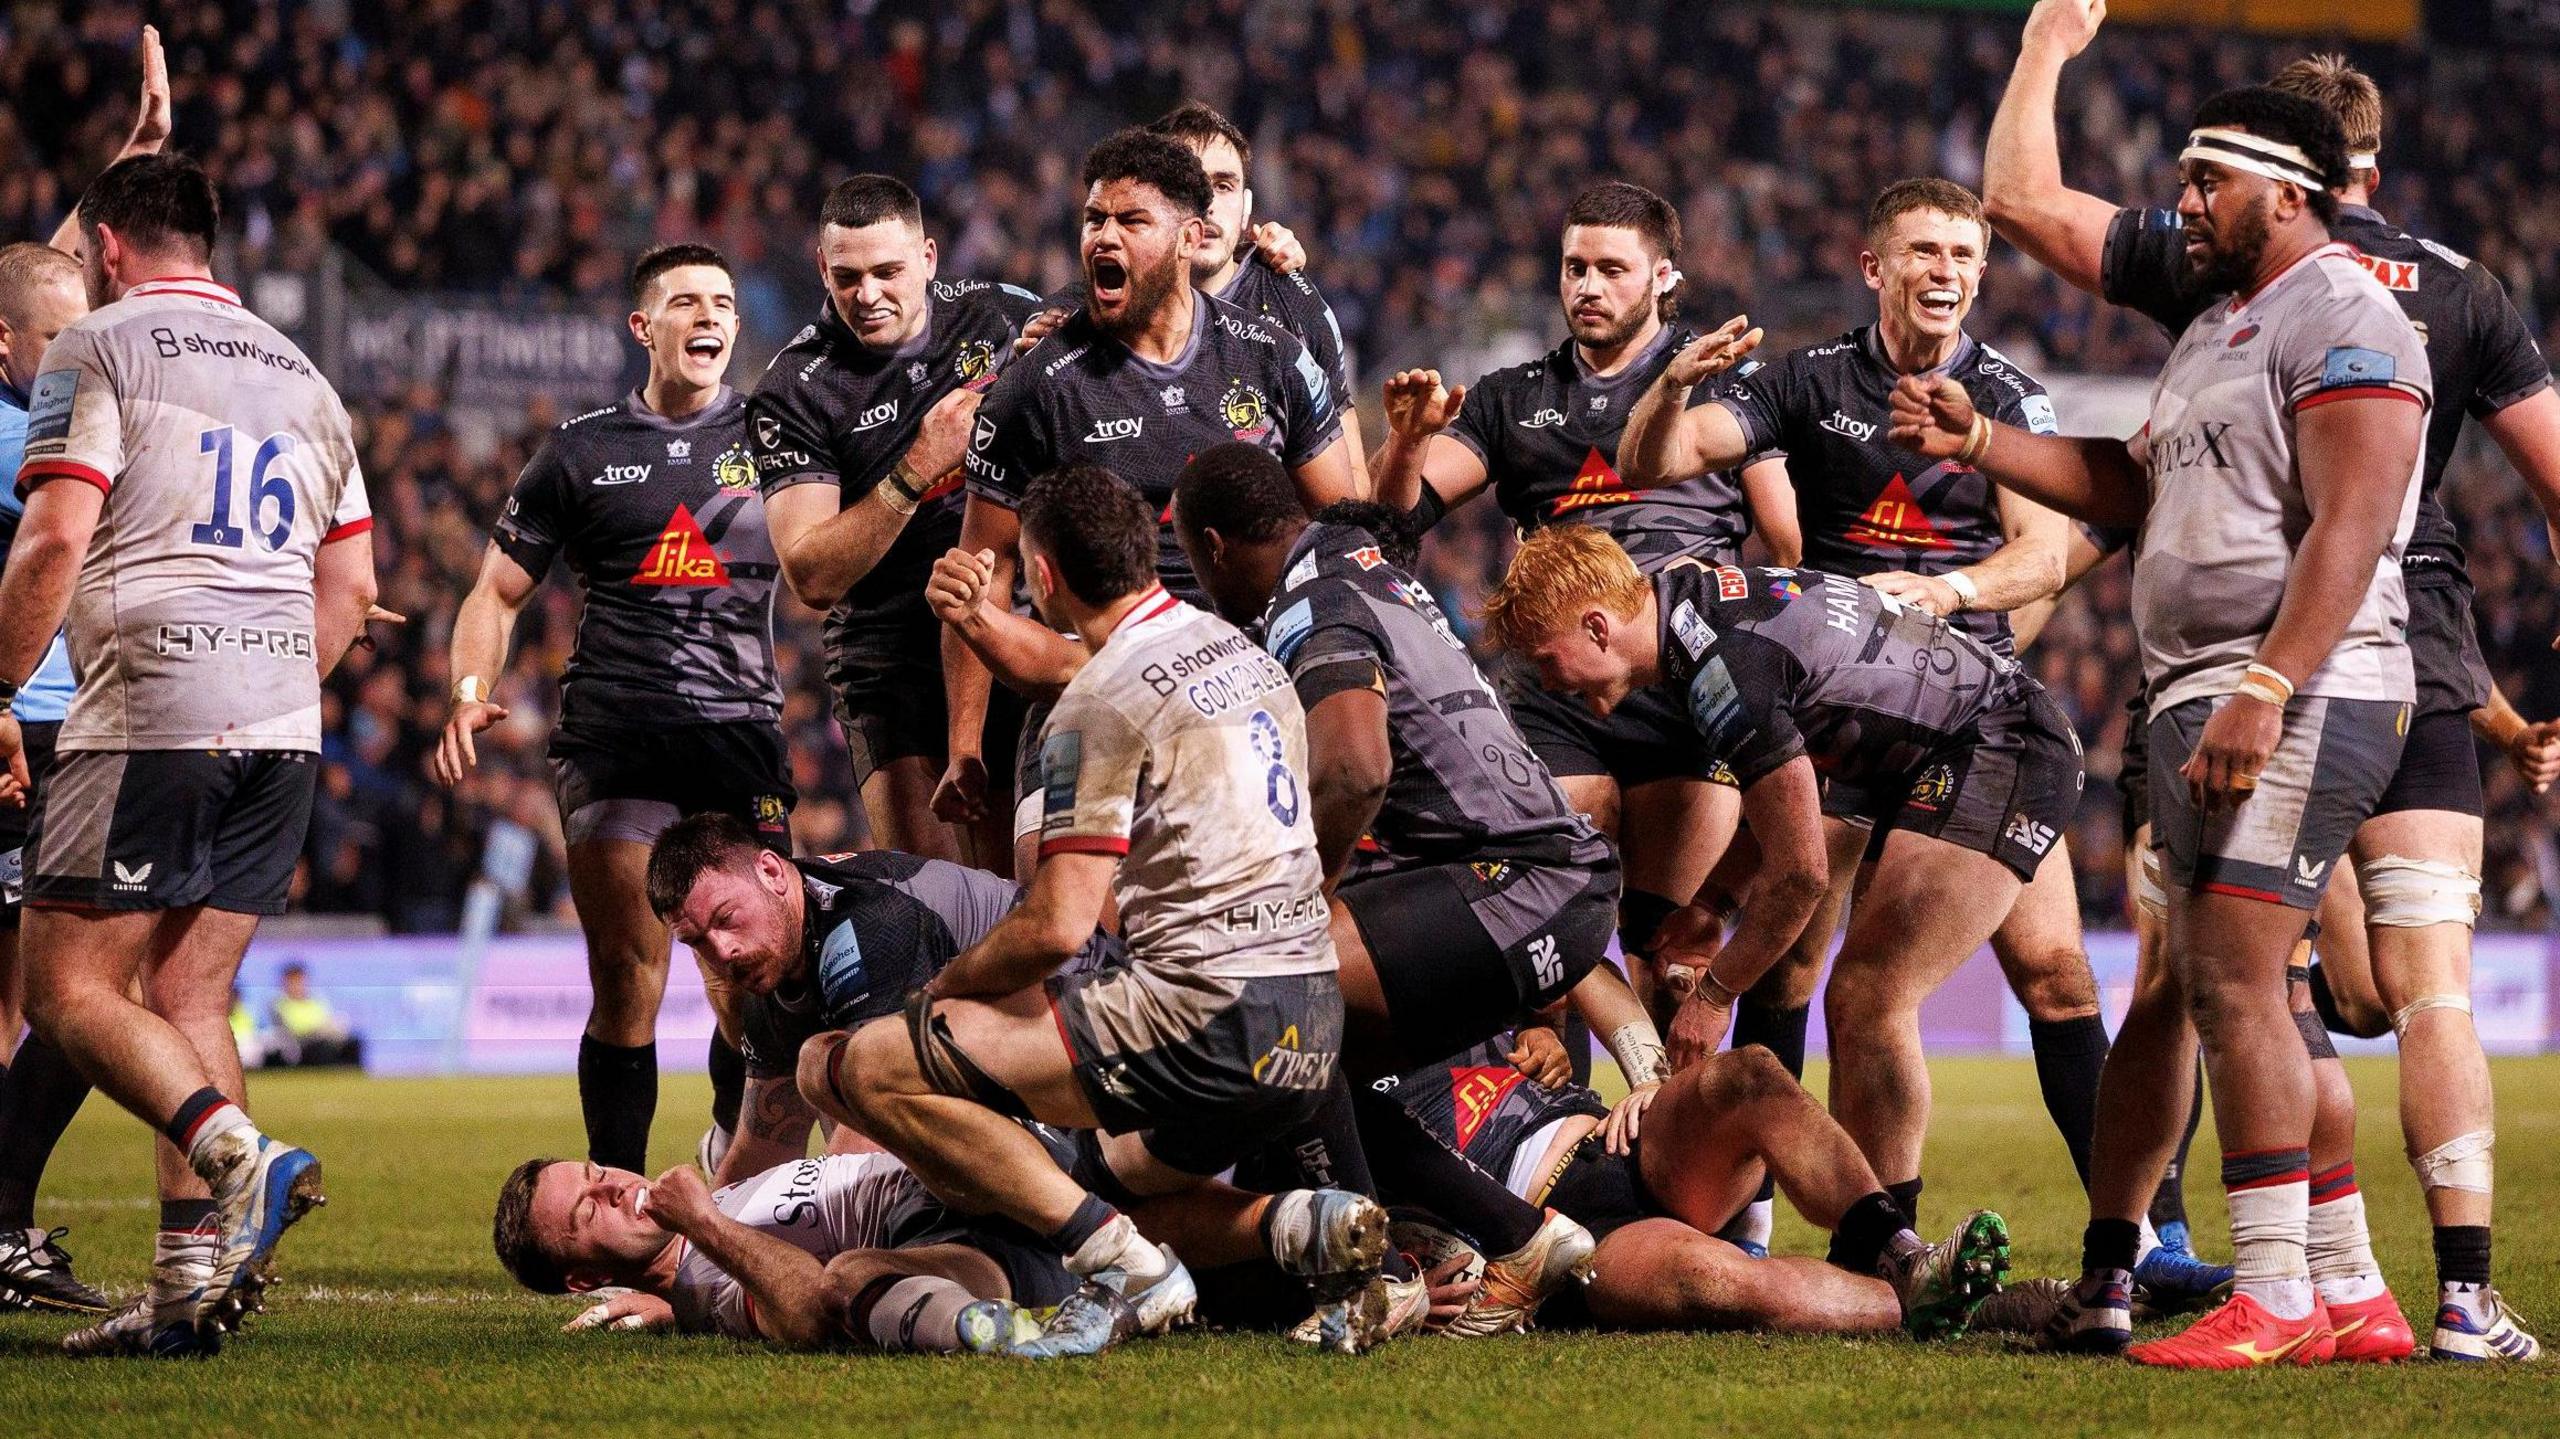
(706, 347)
(1110, 279)
(1942, 303)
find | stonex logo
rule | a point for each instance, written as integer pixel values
(682, 556)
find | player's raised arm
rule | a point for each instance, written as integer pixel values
(826, 547)
(2087, 479)
(786, 1287)
(1417, 458)
(2062, 229)
(150, 128)
(1667, 440)
(1028, 656)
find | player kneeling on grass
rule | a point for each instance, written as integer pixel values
(1655, 1179)
(847, 1251)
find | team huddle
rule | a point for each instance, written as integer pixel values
(1232, 946)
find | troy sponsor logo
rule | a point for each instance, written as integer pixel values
(189, 639)
(2028, 835)
(2399, 275)
(622, 475)
(1840, 424)
(682, 556)
(880, 414)
(1105, 431)
(2199, 448)
(1543, 420)
(1896, 521)
(1596, 483)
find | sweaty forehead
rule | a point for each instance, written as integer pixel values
(1594, 243)
(1120, 196)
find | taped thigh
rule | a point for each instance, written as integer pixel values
(2405, 893)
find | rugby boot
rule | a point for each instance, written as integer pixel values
(2243, 1335)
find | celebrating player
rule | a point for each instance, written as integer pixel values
(239, 573)
(2276, 673)
(858, 427)
(669, 704)
(1147, 374)
(2417, 858)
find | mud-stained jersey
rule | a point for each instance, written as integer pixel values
(661, 522)
(226, 461)
(824, 1207)
(1465, 785)
(1548, 434)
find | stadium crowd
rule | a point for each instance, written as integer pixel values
(1422, 154)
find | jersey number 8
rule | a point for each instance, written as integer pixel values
(1279, 783)
(263, 489)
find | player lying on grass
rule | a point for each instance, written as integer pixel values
(845, 1251)
(1656, 1177)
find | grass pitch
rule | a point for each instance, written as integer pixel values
(393, 1317)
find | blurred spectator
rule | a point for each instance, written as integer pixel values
(303, 1031)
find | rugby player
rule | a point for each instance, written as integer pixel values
(1169, 782)
(40, 296)
(2277, 678)
(669, 704)
(241, 571)
(1543, 439)
(2417, 859)
(844, 1251)
(1656, 1176)
(857, 428)
(808, 945)
(1146, 374)
(1794, 678)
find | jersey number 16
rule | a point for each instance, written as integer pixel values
(266, 490)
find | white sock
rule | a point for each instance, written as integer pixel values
(1118, 1245)
(181, 1263)
(918, 1315)
(2270, 1223)
(1759, 1222)
(2471, 1299)
(2150, 1240)
(2338, 1247)
(219, 1121)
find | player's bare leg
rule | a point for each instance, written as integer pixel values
(627, 952)
(1907, 934)
(2342, 976)
(935, 1299)
(1663, 1274)
(897, 800)
(2419, 871)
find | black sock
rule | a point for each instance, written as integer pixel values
(1089, 1217)
(1323, 1153)
(182, 1216)
(2324, 1000)
(2169, 1201)
(1640, 918)
(2109, 1244)
(618, 1093)
(180, 1129)
(1867, 1227)
(2070, 1054)
(37, 1103)
(1906, 1197)
(728, 1083)
(2462, 1254)
(1412, 1166)
(1782, 1031)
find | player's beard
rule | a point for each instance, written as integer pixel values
(1618, 331)
(2232, 255)
(1150, 290)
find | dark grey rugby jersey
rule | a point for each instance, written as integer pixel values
(1776, 663)
(1290, 301)
(1548, 434)
(877, 926)
(2480, 350)
(1466, 785)
(831, 411)
(1081, 396)
(661, 522)
(1866, 504)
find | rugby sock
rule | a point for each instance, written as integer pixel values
(618, 1093)
(1906, 1197)
(37, 1102)
(2338, 1247)
(2109, 1244)
(1782, 1031)
(911, 1314)
(1323, 1153)
(1081, 1226)
(2070, 1054)
(1117, 1245)
(182, 1256)
(728, 1083)
(2462, 1267)
(1412, 1166)
(2270, 1192)
(205, 1117)
(1867, 1226)
(2169, 1201)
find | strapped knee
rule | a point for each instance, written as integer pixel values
(2405, 893)
(2462, 1162)
(2400, 1017)
(2148, 891)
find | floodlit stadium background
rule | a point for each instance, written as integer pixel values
(440, 200)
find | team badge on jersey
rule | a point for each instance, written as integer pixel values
(735, 469)
(1246, 411)
(1937, 785)
(1694, 633)
(975, 361)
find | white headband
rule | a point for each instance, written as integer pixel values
(2360, 160)
(2240, 150)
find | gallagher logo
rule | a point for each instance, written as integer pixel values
(682, 556)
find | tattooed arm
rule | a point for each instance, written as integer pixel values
(773, 1128)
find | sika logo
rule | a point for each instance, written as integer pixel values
(682, 556)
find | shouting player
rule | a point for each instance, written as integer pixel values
(2417, 859)
(858, 427)
(669, 704)
(222, 464)
(2274, 485)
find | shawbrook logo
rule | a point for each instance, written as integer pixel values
(132, 877)
(682, 556)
